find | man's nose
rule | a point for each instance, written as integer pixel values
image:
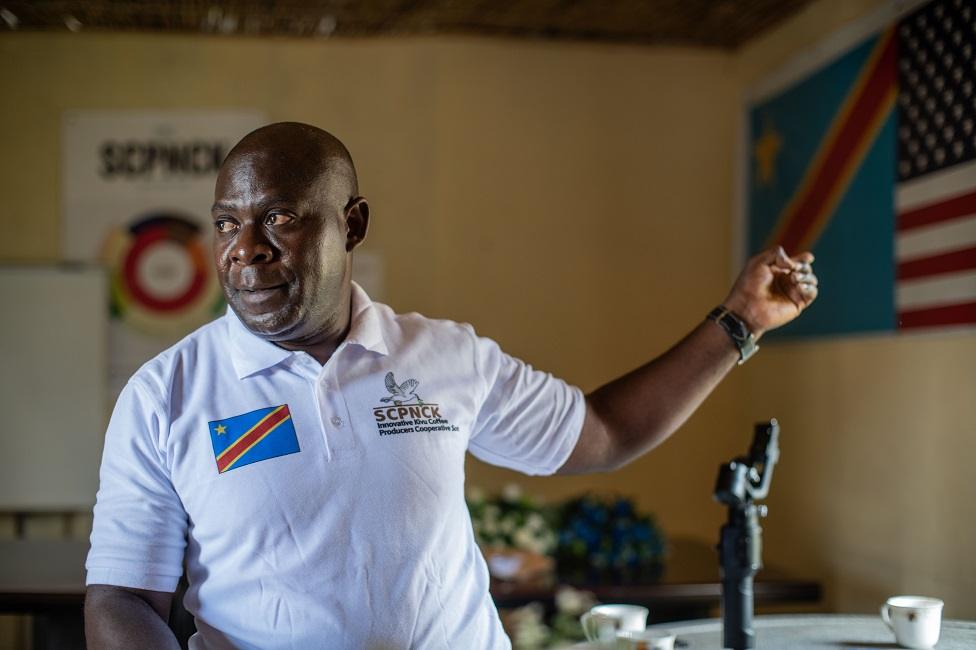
(251, 247)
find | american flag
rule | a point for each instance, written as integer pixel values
(935, 195)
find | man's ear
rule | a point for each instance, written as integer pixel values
(357, 222)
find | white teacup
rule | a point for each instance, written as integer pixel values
(915, 620)
(603, 622)
(646, 640)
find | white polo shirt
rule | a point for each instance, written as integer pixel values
(322, 506)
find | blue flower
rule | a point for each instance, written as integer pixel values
(623, 508)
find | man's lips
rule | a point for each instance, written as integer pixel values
(261, 294)
(260, 288)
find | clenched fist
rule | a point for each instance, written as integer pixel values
(773, 289)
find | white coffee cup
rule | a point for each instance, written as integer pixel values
(915, 620)
(603, 622)
(646, 640)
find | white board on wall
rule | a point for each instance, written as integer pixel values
(53, 347)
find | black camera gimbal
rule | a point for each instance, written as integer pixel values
(740, 482)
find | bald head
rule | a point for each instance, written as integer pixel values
(308, 153)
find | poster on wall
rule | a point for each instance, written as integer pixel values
(865, 153)
(137, 187)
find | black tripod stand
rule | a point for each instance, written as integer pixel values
(740, 482)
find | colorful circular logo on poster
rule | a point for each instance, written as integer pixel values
(162, 280)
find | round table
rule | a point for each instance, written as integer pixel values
(815, 631)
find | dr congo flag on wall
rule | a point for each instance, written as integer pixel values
(870, 162)
(259, 435)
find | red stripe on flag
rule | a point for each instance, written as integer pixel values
(958, 206)
(959, 260)
(961, 314)
(871, 98)
(229, 455)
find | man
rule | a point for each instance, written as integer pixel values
(304, 454)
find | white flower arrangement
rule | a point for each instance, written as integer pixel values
(511, 521)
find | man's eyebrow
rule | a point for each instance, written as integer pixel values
(221, 205)
(264, 202)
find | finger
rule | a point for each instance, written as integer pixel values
(774, 257)
(805, 257)
(766, 257)
(807, 288)
(809, 292)
(801, 295)
(783, 260)
(799, 288)
(804, 278)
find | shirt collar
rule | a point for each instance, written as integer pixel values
(366, 329)
(251, 354)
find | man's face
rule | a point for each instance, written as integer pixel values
(280, 246)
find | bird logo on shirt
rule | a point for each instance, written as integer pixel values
(401, 393)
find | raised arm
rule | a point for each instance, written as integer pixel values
(638, 411)
(118, 617)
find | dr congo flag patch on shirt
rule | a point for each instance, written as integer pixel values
(252, 437)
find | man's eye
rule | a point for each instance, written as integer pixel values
(278, 219)
(224, 225)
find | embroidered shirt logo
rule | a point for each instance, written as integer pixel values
(409, 413)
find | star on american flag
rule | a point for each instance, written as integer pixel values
(935, 196)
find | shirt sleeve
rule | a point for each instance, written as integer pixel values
(528, 420)
(139, 529)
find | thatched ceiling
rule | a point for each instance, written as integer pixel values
(709, 23)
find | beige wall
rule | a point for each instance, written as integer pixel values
(574, 203)
(875, 488)
(569, 200)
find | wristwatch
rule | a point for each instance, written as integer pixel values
(737, 330)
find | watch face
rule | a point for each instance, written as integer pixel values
(736, 328)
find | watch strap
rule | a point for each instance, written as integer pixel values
(742, 337)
